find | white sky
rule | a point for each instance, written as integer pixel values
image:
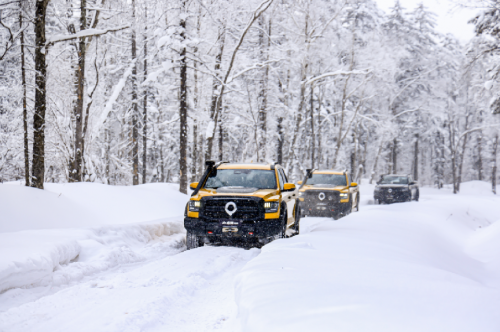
(450, 18)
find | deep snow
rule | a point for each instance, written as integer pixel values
(427, 266)
(68, 231)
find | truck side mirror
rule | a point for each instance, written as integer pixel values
(289, 187)
(299, 183)
(354, 184)
(193, 185)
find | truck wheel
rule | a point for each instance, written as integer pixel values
(296, 226)
(192, 241)
(417, 196)
(283, 216)
(357, 203)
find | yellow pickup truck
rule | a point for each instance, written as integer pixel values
(250, 203)
(328, 194)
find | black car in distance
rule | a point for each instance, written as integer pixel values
(396, 188)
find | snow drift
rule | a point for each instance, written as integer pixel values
(73, 230)
(402, 267)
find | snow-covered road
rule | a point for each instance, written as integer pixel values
(181, 291)
(427, 266)
(188, 291)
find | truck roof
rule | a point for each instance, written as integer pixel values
(329, 172)
(246, 166)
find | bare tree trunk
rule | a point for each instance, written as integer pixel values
(195, 151)
(145, 103)
(395, 156)
(221, 141)
(479, 156)
(462, 152)
(108, 147)
(194, 154)
(279, 153)
(415, 159)
(38, 166)
(353, 154)
(313, 134)
(135, 111)
(494, 166)
(453, 155)
(320, 151)
(25, 108)
(183, 169)
(262, 99)
(76, 174)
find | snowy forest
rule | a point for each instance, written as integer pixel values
(129, 92)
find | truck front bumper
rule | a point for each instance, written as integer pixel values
(244, 230)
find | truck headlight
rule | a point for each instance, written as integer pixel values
(194, 206)
(271, 207)
(344, 196)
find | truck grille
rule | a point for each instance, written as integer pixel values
(394, 192)
(312, 196)
(215, 208)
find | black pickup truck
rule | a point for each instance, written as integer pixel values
(396, 188)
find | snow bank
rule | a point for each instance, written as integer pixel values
(401, 267)
(69, 231)
(77, 205)
(55, 257)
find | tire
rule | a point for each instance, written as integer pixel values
(192, 241)
(357, 203)
(296, 226)
(283, 215)
(418, 196)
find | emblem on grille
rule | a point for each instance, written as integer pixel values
(390, 190)
(231, 208)
(321, 196)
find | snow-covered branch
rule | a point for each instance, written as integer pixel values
(338, 73)
(84, 33)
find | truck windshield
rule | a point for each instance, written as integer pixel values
(327, 179)
(394, 180)
(248, 178)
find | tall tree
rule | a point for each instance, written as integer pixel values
(38, 165)
(183, 169)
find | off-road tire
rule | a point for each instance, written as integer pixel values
(192, 241)
(296, 226)
(417, 196)
(283, 220)
(357, 202)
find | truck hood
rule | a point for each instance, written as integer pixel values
(323, 187)
(392, 186)
(266, 194)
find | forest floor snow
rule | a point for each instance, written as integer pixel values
(99, 258)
